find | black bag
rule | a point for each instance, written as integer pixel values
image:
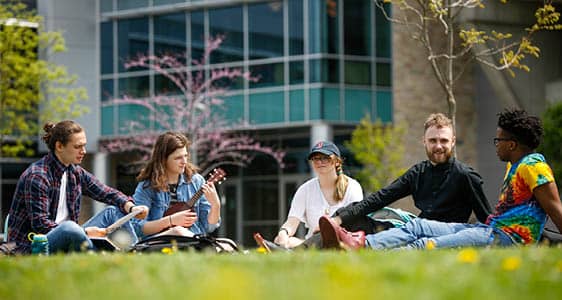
(198, 243)
(550, 234)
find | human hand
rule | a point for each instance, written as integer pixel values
(210, 193)
(281, 239)
(184, 218)
(95, 231)
(143, 211)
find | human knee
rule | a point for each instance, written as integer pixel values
(72, 229)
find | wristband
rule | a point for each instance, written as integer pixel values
(284, 229)
(170, 219)
(131, 208)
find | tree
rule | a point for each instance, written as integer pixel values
(27, 80)
(196, 109)
(551, 146)
(449, 57)
(378, 148)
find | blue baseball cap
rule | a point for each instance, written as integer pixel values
(325, 147)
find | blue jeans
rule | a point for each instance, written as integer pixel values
(69, 236)
(418, 232)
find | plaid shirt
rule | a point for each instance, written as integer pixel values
(35, 202)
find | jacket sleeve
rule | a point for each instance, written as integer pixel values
(398, 189)
(98, 191)
(478, 200)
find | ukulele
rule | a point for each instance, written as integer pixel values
(218, 175)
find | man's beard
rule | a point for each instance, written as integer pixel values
(439, 158)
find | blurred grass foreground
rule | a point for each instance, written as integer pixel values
(516, 273)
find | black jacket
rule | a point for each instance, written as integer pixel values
(446, 192)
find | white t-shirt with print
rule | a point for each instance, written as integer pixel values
(309, 204)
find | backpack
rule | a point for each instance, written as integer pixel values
(197, 243)
(394, 217)
(550, 234)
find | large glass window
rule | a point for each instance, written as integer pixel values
(357, 104)
(265, 30)
(234, 109)
(136, 87)
(107, 120)
(106, 92)
(325, 70)
(296, 72)
(323, 26)
(268, 74)
(197, 34)
(106, 47)
(356, 26)
(169, 34)
(164, 2)
(384, 106)
(132, 113)
(384, 76)
(266, 108)
(133, 39)
(296, 36)
(357, 72)
(130, 4)
(324, 104)
(164, 86)
(383, 41)
(228, 23)
(296, 106)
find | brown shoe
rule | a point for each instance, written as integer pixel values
(335, 237)
(329, 233)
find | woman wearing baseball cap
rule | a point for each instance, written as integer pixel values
(321, 195)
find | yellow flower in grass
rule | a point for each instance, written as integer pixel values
(511, 263)
(430, 245)
(261, 250)
(468, 256)
(167, 250)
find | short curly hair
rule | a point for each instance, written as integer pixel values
(525, 129)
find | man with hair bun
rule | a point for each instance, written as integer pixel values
(49, 192)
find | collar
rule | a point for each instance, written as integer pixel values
(58, 167)
(443, 166)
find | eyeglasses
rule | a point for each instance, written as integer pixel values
(498, 140)
(322, 158)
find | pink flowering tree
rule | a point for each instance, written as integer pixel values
(195, 110)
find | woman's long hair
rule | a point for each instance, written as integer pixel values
(155, 169)
(341, 181)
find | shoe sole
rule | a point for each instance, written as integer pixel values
(329, 235)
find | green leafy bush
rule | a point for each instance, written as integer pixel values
(551, 146)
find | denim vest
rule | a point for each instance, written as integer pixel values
(159, 201)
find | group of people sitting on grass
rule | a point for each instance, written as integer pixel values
(331, 205)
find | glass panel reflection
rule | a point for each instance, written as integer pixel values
(133, 39)
(169, 34)
(265, 25)
(227, 22)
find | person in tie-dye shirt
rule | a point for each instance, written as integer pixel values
(528, 195)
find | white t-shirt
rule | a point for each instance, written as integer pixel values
(309, 204)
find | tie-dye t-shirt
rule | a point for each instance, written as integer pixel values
(518, 213)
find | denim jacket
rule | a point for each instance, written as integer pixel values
(159, 201)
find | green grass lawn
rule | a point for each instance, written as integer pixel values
(518, 273)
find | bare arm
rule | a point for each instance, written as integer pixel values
(290, 226)
(549, 199)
